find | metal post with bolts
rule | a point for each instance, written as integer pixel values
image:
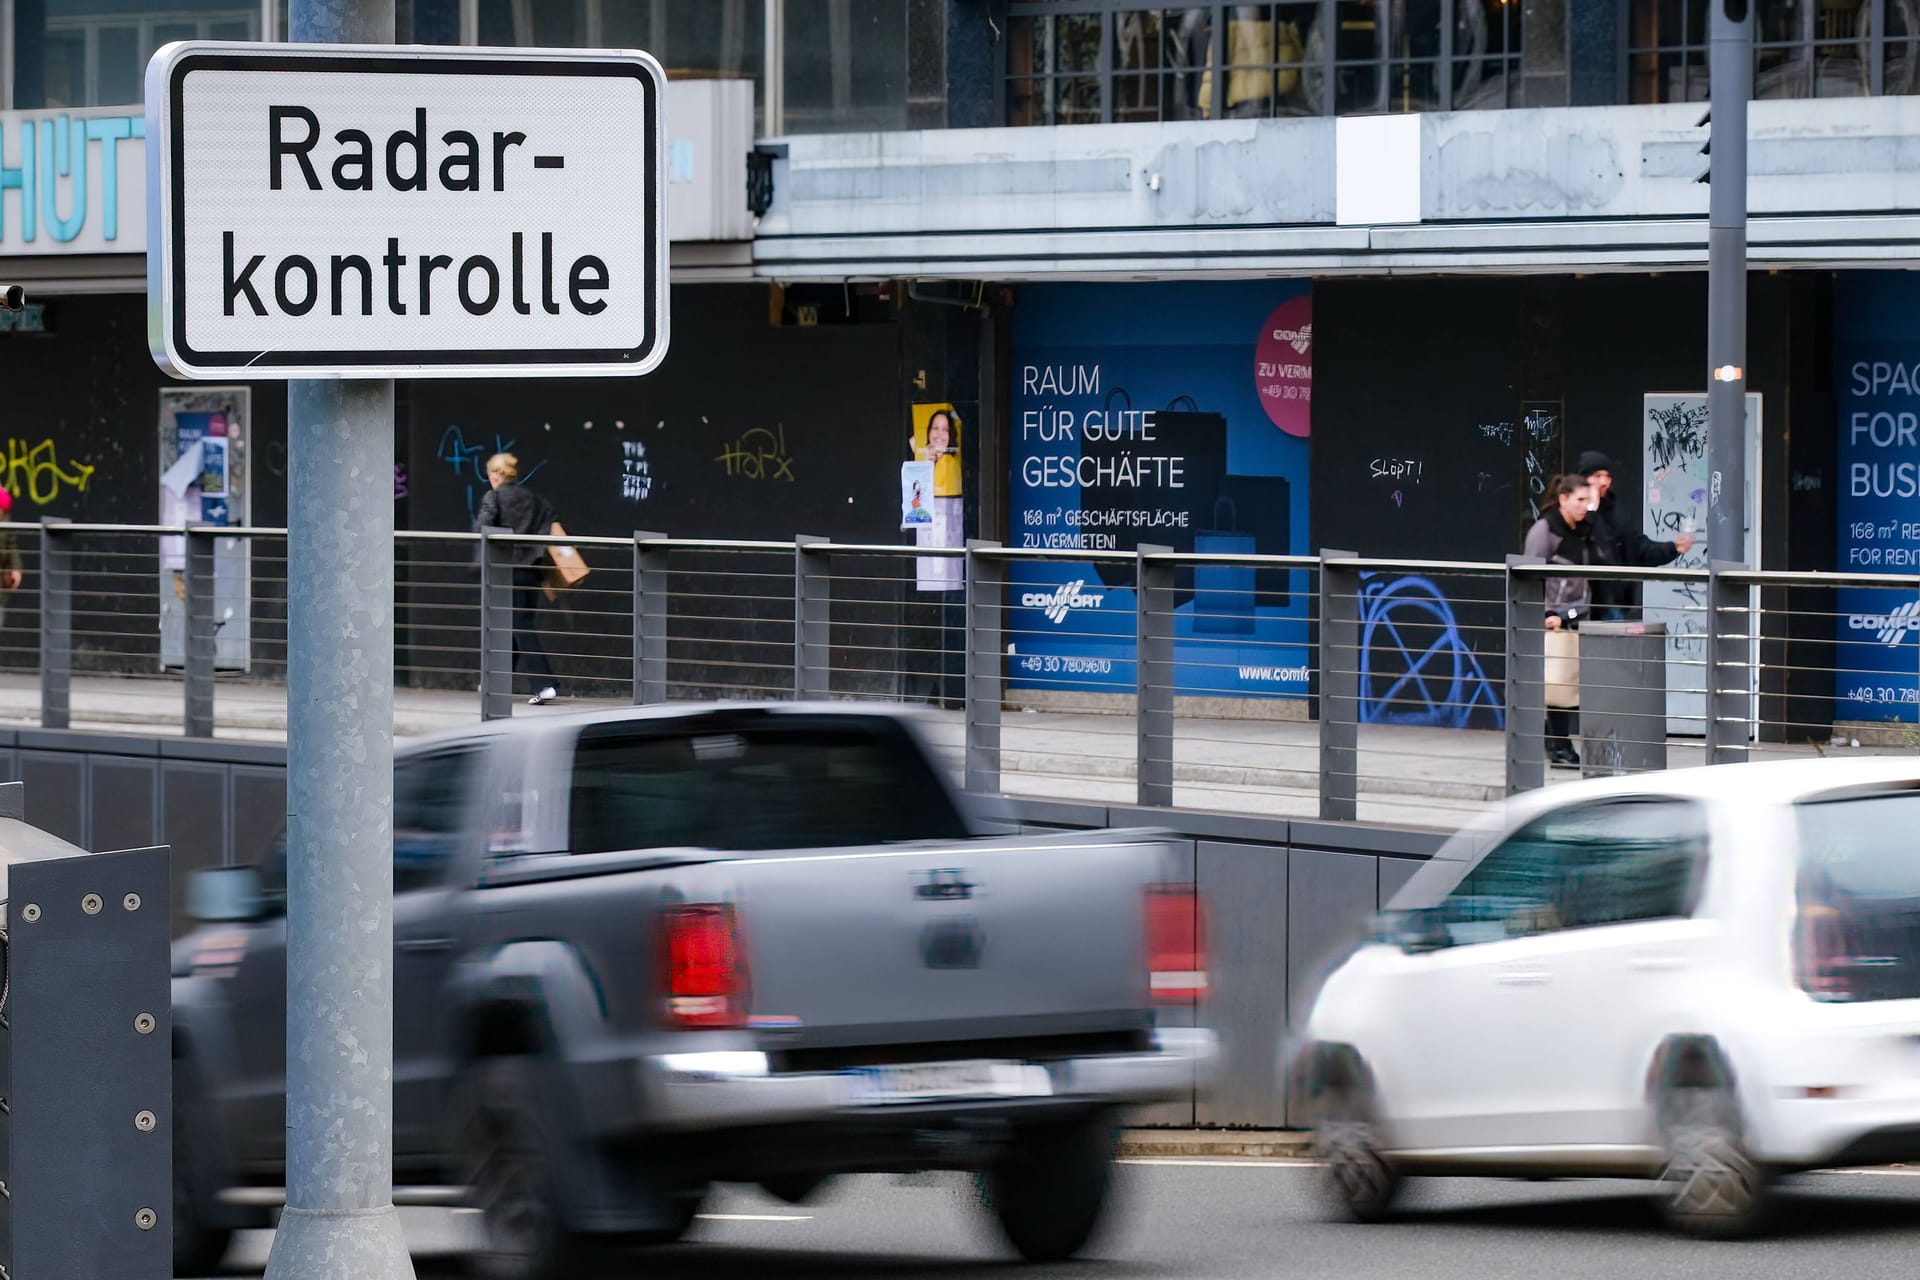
(1730, 85)
(339, 1218)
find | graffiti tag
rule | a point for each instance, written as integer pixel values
(469, 461)
(758, 454)
(35, 472)
(636, 472)
(1415, 665)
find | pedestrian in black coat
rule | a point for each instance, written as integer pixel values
(511, 505)
(1617, 539)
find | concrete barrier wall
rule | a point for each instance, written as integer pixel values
(1285, 897)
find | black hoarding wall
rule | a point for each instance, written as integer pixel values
(1444, 405)
(80, 438)
(749, 430)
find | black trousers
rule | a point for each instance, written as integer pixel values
(529, 655)
(1562, 724)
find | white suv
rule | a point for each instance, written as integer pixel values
(1709, 976)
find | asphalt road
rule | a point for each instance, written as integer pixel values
(1222, 1219)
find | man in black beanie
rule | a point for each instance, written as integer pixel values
(1617, 540)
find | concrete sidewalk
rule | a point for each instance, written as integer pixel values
(1407, 775)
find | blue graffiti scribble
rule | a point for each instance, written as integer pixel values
(1436, 680)
(469, 461)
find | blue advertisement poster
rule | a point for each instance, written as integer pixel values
(1172, 414)
(1876, 373)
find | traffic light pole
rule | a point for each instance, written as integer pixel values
(339, 1219)
(1731, 81)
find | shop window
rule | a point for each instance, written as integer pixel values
(1802, 49)
(1114, 60)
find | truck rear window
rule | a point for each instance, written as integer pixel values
(772, 783)
(1858, 934)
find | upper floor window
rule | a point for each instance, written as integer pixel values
(842, 63)
(1088, 61)
(93, 53)
(692, 39)
(845, 66)
(1802, 49)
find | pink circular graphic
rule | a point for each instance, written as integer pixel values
(1283, 366)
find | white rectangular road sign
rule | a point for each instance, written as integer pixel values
(345, 211)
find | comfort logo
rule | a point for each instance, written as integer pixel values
(1300, 339)
(1060, 600)
(1893, 627)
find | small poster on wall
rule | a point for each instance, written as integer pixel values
(213, 463)
(916, 494)
(204, 480)
(936, 443)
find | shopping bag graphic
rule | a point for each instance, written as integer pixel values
(1223, 595)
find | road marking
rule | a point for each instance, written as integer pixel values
(468, 1209)
(1290, 1162)
(755, 1217)
(1242, 1162)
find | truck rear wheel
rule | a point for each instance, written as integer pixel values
(1050, 1186)
(511, 1146)
(198, 1248)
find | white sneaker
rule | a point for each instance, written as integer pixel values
(543, 697)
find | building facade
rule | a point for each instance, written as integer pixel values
(1272, 277)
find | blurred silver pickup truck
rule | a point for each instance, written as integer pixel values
(642, 951)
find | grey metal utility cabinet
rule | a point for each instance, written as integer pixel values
(86, 1132)
(1623, 698)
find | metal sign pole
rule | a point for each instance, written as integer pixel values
(1731, 85)
(339, 1218)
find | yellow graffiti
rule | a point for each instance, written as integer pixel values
(35, 472)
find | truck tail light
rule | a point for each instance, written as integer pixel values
(1176, 944)
(705, 969)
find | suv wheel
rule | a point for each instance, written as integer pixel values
(1713, 1186)
(510, 1148)
(1050, 1186)
(1360, 1180)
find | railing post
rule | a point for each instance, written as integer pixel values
(1339, 688)
(198, 632)
(496, 626)
(1729, 640)
(56, 625)
(649, 619)
(1526, 671)
(812, 608)
(1153, 677)
(986, 594)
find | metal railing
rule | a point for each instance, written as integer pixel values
(1335, 685)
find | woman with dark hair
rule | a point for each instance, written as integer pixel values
(1562, 535)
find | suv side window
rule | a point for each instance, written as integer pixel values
(430, 814)
(1594, 864)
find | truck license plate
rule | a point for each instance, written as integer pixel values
(925, 1081)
